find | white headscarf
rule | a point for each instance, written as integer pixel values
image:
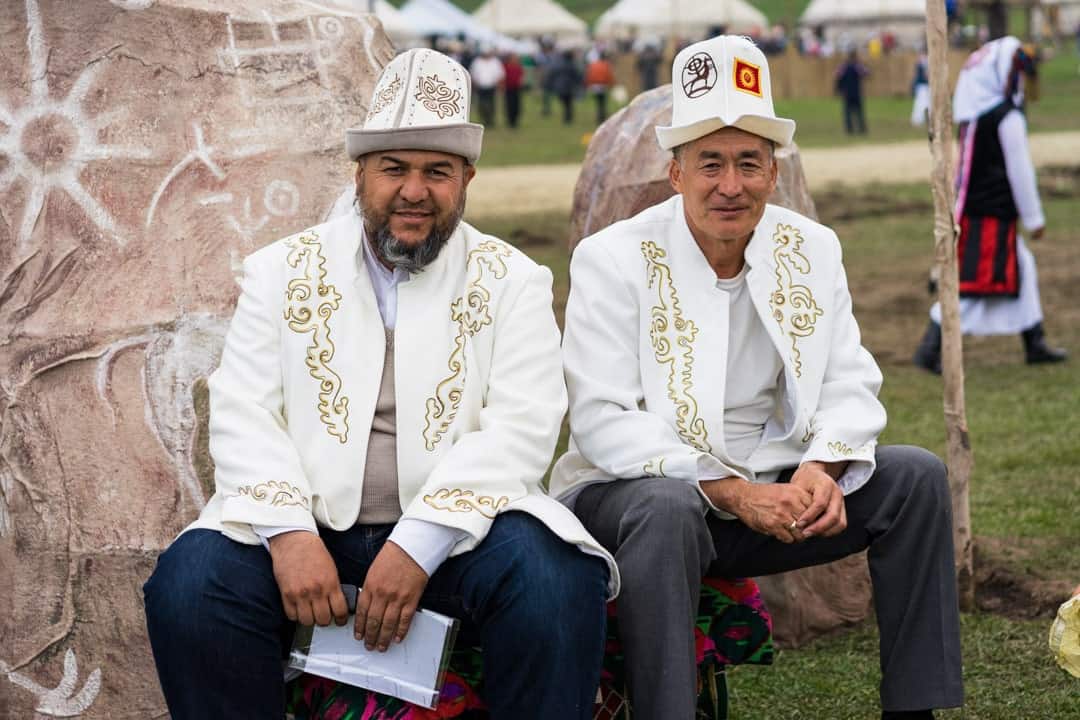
(984, 80)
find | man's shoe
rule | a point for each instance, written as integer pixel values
(908, 715)
(928, 354)
(1036, 350)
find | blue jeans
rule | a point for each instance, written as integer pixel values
(536, 604)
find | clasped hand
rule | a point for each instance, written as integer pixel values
(311, 591)
(811, 504)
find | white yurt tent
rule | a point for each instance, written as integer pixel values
(533, 18)
(853, 22)
(441, 18)
(690, 19)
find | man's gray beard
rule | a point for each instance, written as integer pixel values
(411, 258)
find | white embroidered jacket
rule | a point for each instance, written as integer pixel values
(478, 377)
(645, 354)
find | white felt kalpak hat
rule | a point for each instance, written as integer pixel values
(421, 102)
(722, 82)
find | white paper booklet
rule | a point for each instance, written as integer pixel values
(412, 670)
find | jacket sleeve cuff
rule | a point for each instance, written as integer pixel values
(861, 461)
(268, 510)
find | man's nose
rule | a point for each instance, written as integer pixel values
(729, 184)
(414, 189)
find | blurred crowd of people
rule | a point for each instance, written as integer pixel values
(555, 75)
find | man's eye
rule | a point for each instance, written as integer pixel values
(439, 174)
(394, 170)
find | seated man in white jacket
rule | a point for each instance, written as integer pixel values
(723, 412)
(388, 400)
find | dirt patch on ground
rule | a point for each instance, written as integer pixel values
(1004, 587)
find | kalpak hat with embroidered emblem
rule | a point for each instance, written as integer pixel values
(722, 82)
(421, 102)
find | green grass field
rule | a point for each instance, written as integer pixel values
(1026, 483)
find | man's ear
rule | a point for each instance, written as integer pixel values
(468, 174)
(674, 172)
(359, 173)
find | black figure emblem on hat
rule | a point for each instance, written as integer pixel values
(698, 75)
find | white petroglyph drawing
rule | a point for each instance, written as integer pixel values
(134, 4)
(200, 153)
(330, 7)
(308, 56)
(48, 142)
(281, 198)
(62, 700)
(175, 358)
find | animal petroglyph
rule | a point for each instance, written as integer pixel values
(62, 700)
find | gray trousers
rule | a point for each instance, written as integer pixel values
(665, 543)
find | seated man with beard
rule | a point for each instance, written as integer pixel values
(389, 397)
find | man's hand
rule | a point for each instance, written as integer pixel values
(826, 515)
(1037, 233)
(768, 508)
(308, 579)
(391, 592)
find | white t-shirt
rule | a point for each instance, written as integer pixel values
(487, 72)
(754, 369)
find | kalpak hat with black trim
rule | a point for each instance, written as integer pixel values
(421, 102)
(722, 82)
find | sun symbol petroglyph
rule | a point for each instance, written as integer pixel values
(49, 141)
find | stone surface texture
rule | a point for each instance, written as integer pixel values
(625, 171)
(146, 146)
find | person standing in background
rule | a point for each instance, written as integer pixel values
(920, 93)
(648, 65)
(996, 189)
(564, 82)
(849, 80)
(487, 73)
(599, 78)
(513, 82)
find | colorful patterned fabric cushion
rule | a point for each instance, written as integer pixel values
(733, 628)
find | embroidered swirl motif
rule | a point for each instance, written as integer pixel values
(278, 494)
(793, 305)
(385, 96)
(309, 304)
(437, 96)
(458, 500)
(670, 330)
(471, 313)
(838, 448)
(653, 468)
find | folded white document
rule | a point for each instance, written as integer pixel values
(412, 670)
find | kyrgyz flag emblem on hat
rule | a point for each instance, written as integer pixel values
(747, 77)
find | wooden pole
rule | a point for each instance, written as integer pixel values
(958, 455)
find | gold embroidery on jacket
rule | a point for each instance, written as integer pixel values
(278, 494)
(471, 313)
(842, 449)
(670, 330)
(654, 468)
(458, 500)
(793, 305)
(310, 303)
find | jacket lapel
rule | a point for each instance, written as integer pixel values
(766, 290)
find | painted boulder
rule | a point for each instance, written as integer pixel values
(146, 146)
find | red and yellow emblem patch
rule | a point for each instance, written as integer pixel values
(747, 77)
